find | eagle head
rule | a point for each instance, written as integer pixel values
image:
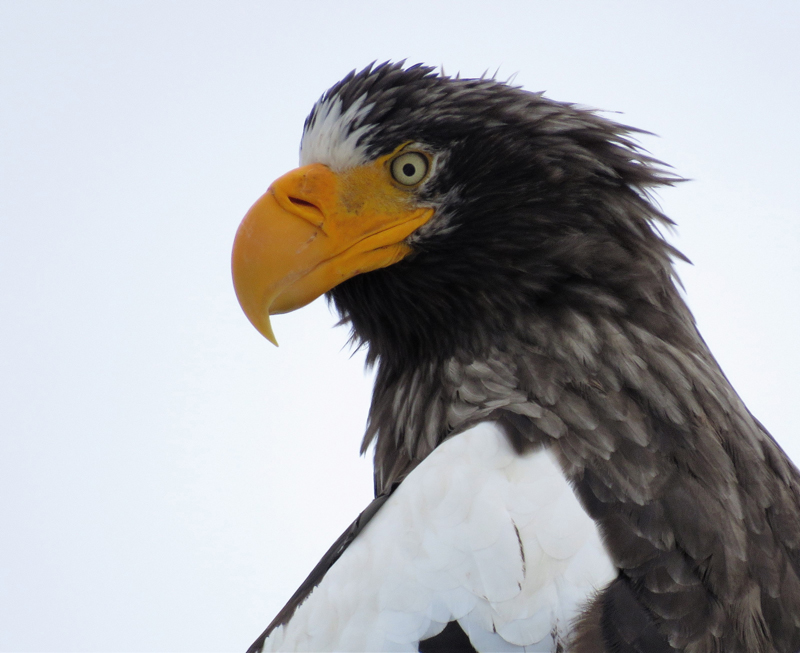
(441, 213)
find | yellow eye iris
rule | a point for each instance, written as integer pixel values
(409, 168)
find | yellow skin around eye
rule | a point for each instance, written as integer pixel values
(314, 229)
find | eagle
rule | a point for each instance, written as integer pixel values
(560, 464)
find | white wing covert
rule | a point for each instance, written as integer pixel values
(476, 533)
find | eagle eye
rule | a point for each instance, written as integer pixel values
(409, 168)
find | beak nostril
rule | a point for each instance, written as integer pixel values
(307, 211)
(298, 202)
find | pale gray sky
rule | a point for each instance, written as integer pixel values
(168, 477)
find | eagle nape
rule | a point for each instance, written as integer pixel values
(560, 463)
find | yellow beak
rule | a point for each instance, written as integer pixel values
(314, 229)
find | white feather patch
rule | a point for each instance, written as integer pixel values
(446, 545)
(330, 139)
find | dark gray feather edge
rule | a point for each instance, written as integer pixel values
(322, 567)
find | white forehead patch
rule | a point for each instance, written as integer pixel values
(328, 139)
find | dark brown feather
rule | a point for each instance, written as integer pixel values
(542, 296)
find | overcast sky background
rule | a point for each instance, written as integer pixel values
(168, 477)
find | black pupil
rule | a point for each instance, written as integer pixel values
(409, 169)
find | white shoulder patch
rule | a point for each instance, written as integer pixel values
(328, 139)
(476, 533)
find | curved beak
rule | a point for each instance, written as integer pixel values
(314, 229)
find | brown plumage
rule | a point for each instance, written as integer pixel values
(543, 297)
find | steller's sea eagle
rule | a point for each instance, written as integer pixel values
(560, 463)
